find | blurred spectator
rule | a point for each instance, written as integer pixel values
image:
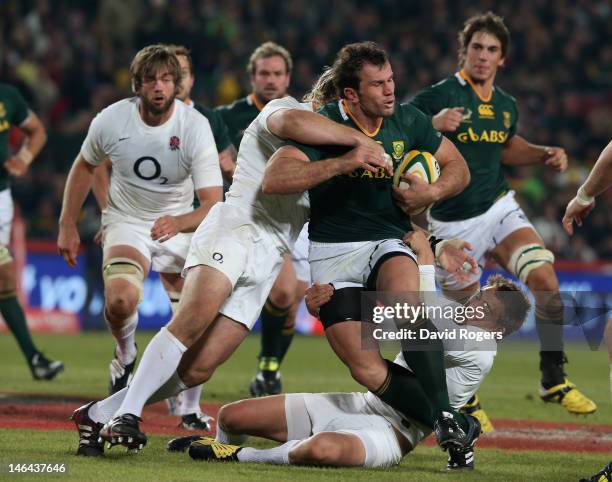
(71, 58)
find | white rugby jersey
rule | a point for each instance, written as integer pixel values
(282, 215)
(467, 364)
(155, 169)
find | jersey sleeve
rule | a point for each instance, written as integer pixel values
(467, 371)
(429, 101)
(274, 106)
(205, 169)
(20, 111)
(92, 149)
(514, 123)
(426, 137)
(218, 126)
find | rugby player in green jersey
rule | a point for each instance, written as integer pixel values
(14, 112)
(481, 120)
(357, 223)
(269, 69)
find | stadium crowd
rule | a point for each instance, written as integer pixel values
(69, 60)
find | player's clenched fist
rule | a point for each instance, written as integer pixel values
(448, 120)
(316, 296)
(369, 157)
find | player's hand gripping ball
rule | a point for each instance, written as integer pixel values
(419, 163)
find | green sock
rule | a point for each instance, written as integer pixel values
(272, 320)
(402, 391)
(427, 363)
(15, 319)
(286, 339)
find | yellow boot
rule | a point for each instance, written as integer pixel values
(473, 408)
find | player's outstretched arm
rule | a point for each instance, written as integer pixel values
(36, 138)
(518, 152)
(290, 171)
(600, 179)
(77, 187)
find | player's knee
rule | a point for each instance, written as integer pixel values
(121, 304)
(317, 450)
(543, 278)
(193, 375)
(282, 296)
(230, 417)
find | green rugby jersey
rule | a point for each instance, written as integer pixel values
(359, 206)
(13, 111)
(217, 126)
(487, 125)
(238, 115)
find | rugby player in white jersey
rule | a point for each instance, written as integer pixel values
(359, 429)
(160, 151)
(234, 258)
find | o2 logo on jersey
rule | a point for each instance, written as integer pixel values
(149, 169)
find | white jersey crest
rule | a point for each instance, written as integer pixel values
(282, 215)
(155, 169)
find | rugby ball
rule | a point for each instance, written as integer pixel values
(419, 163)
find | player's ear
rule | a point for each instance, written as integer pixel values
(502, 62)
(350, 94)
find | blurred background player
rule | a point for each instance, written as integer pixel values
(159, 151)
(269, 68)
(599, 180)
(481, 120)
(14, 112)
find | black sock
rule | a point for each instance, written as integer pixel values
(427, 364)
(402, 391)
(549, 326)
(15, 319)
(286, 339)
(272, 320)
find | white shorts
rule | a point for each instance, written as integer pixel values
(299, 256)
(350, 264)
(484, 232)
(345, 413)
(166, 257)
(250, 257)
(6, 216)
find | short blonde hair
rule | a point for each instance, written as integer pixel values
(267, 50)
(516, 304)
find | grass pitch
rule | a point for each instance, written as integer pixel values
(510, 391)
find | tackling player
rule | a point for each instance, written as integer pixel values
(160, 150)
(269, 68)
(481, 120)
(356, 228)
(14, 112)
(359, 429)
(236, 254)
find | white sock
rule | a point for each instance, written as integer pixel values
(159, 361)
(229, 438)
(125, 338)
(104, 410)
(278, 455)
(190, 400)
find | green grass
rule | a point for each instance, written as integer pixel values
(510, 391)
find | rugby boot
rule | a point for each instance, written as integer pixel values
(461, 459)
(90, 444)
(124, 430)
(473, 408)
(205, 448)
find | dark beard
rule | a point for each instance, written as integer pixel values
(153, 109)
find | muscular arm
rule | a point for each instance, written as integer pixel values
(101, 182)
(600, 177)
(310, 128)
(454, 171)
(518, 152)
(36, 137)
(208, 196)
(77, 187)
(290, 170)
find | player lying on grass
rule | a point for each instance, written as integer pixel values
(358, 429)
